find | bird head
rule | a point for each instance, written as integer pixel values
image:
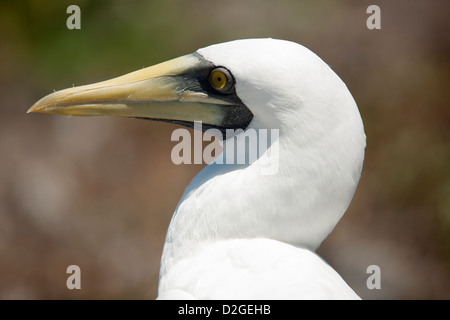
(243, 84)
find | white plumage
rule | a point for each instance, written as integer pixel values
(238, 234)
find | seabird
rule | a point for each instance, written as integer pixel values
(237, 233)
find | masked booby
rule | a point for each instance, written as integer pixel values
(237, 233)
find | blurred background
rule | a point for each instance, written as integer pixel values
(100, 192)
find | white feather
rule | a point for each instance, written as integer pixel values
(238, 234)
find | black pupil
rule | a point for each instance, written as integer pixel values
(219, 78)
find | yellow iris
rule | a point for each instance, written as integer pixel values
(218, 79)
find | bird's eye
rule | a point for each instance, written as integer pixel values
(221, 80)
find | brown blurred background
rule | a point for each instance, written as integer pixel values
(100, 192)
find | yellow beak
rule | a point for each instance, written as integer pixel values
(174, 91)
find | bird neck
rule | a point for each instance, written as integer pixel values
(299, 204)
